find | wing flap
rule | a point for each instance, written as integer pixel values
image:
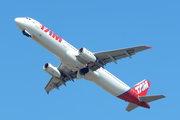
(53, 83)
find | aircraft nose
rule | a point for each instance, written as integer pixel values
(19, 23)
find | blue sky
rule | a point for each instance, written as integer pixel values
(99, 26)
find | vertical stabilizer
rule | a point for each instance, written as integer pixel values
(142, 87)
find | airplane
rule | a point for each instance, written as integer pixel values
(82, 63)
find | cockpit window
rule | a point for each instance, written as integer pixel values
(28, 18)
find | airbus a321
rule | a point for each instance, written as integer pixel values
(82, 63)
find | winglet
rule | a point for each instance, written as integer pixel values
(150, 47)
(48, 92)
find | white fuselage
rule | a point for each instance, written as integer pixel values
(67, 55)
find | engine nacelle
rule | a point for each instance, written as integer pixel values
(51, 70)
(87, 55)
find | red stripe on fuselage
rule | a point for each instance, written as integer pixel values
(132, 97)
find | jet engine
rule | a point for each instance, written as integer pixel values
(87, 55)
(51, 70)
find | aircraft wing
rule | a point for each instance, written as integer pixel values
(114, 55)
(66, 75)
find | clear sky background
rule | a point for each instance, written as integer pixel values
(97, 25)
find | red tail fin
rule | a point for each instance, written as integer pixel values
(142, 87)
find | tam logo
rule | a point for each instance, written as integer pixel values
(141, 87)
(52, 34)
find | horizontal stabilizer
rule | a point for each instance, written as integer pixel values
(150, 98)
(131, 106)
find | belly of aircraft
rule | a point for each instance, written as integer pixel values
(108, 82)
